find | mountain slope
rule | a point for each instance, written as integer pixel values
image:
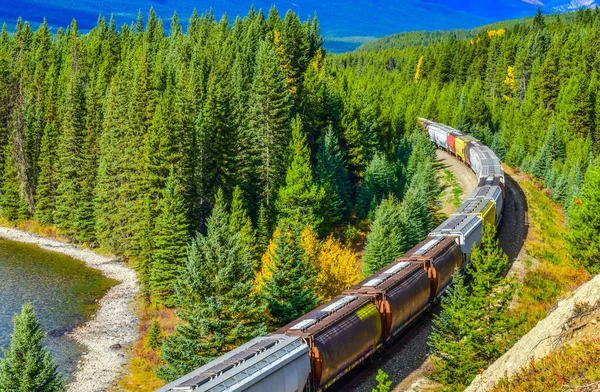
(353, 20)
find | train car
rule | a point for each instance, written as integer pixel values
(340, 334)
(450, 142)
(440, 137)
(468, 229)
(483, 207)
(460, 144)
(493, 192)
(468, 148)
(402, 291)
(493, 170)
(443, 255)
(492, 181)
(267, 363)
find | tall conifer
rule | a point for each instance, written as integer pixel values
(171, 237)
(218, 304)
(27, 365)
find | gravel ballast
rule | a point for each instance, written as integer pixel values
(109, 334)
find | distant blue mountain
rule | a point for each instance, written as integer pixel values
(344, 23)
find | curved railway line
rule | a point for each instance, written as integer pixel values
(384, 320)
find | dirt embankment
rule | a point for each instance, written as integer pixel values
(113, 328)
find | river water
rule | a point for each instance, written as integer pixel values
(63, 291)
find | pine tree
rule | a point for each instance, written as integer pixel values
(12, 203)
(584, 222)
(449, 340)
(27, 365)
(46, 187)
(155, 337)
(381, 180)
(472, 329)
(240, 222)
(264, 145)
(331, 174)
(171, 237)
(383, 383)
(300, 200)
(219, 306)
(290, 290)
(389, 238)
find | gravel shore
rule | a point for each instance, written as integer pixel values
(111, 331)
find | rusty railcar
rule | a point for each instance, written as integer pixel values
(340, 334)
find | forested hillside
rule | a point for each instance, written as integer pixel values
(529, 92)
(225, 162)
(239, 167)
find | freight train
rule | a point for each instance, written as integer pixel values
(314, 351)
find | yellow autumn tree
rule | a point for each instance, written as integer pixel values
(310, 244)
(336, 265)
(266, 264)
(338, 268)
(509, 81)
(496, 33)
(418, 71)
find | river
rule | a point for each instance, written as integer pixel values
(63, 291)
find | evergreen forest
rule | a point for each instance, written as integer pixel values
(250, 176)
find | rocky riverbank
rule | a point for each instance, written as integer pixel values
(112, 330)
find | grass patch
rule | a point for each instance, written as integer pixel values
(574, 368)
(557, 273)
(448, 180)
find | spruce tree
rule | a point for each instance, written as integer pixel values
(296, 47)
(218, 304)
(473, 327)
(46, 187)
(240, 222)
(332, 175)
(584, 222)
(71, 141)
(27, 365)
(449, 340)
(154, 336)
(171, 237)
(491, 294)
(290, 290)
(381, 180)
(389, 238)
(12, 204)
(265, 142)
(300, 200)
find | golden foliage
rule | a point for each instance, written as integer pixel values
(337, 265)
(139, 375)
(310, 244)
(496, 33)
(338, 268)
(266, 262)
(418, 71)
(510, 81)
(317, 61)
